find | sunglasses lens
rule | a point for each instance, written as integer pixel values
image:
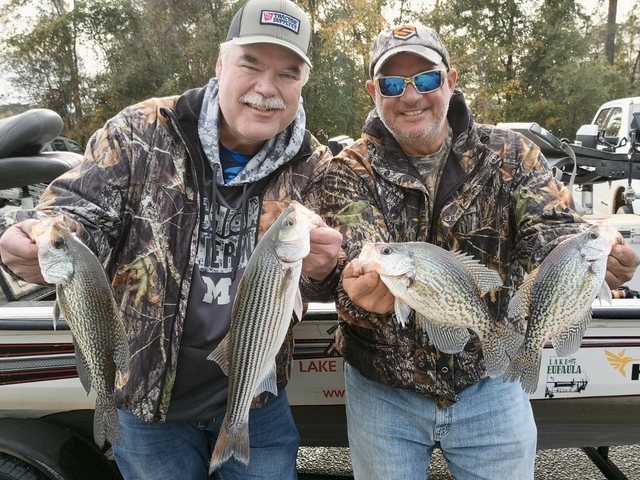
(428, 81)
(391, 86)
(425, 82)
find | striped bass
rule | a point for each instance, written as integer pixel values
(267, 296)
(85, 299)
(445, 289)
(556, 299)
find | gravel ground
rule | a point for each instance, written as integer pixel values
(561, 464)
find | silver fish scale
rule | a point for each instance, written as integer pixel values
(550, 300)
(91, 327)
(555, 300)
(267, 297)
(265, 301)
(458, 302)
(84, 297)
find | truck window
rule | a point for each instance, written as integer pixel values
(613, 123)
(601, 118)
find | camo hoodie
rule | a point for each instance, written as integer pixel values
(496, 200)
(138, 196)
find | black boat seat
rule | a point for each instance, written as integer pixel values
(22, 138)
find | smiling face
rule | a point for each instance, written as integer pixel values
(417, 121)
(259, 90)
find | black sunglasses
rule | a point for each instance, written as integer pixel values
(425, 82)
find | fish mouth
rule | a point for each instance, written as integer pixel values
(368, 253)
(370, 261)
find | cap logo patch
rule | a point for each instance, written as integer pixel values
(270, 17)
(405, 32)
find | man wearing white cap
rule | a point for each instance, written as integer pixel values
(424, 171)
(173, 195)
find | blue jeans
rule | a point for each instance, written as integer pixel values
(156, 451)
(489, 434)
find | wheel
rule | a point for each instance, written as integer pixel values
(12, 468)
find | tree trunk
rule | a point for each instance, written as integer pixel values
(610, 41)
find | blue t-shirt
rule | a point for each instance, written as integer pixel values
(232, 163)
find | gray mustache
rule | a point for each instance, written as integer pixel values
(258, 100)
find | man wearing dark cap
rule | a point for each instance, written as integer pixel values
(173, 195)
(424, 171)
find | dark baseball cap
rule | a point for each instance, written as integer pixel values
(280, 22)
(417, 39)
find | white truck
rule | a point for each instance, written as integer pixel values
(590, 400)
(611, 131)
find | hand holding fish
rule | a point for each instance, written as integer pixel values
(19, 252)
(366, 289)
(621, 265)
(325, 249)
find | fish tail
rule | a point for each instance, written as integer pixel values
(105, 422)
(233, 440)
(499, 347)
(510, 338)
(525, 367)
(495, 357)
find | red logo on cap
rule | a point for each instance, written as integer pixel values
(267, 16)
(405, 32)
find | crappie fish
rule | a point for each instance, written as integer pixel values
(267, 296)
(445, 289)
(556, 299)
(85, 299)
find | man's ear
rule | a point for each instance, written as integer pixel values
(371, 88)
(452, 78)
(219, 66)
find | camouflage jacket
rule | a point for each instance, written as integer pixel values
(137, 196)
(496, 200)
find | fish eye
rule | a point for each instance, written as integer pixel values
(288, 222)
(593, 235)
(386, 250)
(58, 242)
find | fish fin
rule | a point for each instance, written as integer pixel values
(56, 315)
(105, 422)
(526, 368)
(268, 383)
(447, 339)
(82, 366)
(510, 338)
(568, 342)
(288, 278)
(220, 354)
(605, 293)
(520, 302)
(298, 306)
(485, 278)
(121, 358)
(403, 311)
(499, 348)
(233, 440)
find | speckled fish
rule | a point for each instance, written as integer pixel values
(267, 296)
(555, 299)
(85, 299)
(445, 289)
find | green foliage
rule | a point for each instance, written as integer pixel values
(517, 60)
(336, 101)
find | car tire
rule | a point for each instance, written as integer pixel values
(12, 468)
